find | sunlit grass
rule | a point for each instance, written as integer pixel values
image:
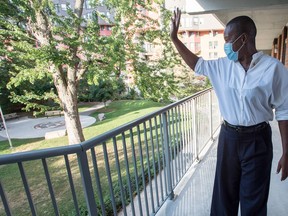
(117, 114)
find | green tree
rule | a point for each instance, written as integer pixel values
(104, 91)
(155, 78)
(43, 44)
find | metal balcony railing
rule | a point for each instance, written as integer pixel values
(138, 164)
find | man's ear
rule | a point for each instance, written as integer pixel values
(244, 38)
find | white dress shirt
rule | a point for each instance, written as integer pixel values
(248, 98)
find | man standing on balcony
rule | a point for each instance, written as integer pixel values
(249, 85)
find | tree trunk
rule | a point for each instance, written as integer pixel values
(72, 120)
(66, 84)
(67, 93)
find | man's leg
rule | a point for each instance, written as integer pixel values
(225, 200)
(256, 162)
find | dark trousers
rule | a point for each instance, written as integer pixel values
(242, 172)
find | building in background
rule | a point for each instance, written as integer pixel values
(202, 34)
(106, 24)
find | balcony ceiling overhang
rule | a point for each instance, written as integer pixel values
(270, 16)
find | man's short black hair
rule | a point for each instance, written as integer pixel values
(244, 24)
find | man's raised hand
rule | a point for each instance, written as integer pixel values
(175, 22)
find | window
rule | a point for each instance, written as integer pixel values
(210, 55)
(210, 45)
(197, 47)
(63, 7)
(192, 46)
(215, 33)
(149, 47)
(102, 28)
(215, 44)
(215, 55)
(88, 4)
(195, 20)
(57, 7)
(88, 16)
(109, 28)
(201, 21)
(182, 22)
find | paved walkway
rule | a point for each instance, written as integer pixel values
(25, 127)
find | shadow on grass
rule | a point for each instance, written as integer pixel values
(119, 108)
(5, 146)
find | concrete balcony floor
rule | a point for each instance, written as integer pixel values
(193, 194)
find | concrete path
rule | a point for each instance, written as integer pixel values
(25, 127)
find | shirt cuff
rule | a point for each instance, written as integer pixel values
(281, 115)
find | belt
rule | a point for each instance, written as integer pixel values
(246, 129)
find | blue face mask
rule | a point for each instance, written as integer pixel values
(228, 49)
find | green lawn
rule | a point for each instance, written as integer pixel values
(117, 113)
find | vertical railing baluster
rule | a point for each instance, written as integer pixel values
(98, 181)
(128, 172)
(153, 160)
(4, 200)
(178, 174)
(51, 191)
(71, 184)
(142, 168)
(195, 141)
(211, 115)
(167, 156)
(183, 132)
(175, 153)
(26, 186)
(188, 131)
(148, 167)
(170, 144)
(135, 171)
(110, 183)
(189, 111)
(87, 182)
(159, 157)
(180, 117)
(118, 168)
(163, 157)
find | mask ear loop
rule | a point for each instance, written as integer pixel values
(243, 42)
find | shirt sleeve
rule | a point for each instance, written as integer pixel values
(200, 67)
(280, 92)
(207, 67)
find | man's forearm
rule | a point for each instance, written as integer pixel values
(283, 127)
(189, 57)
(283, 162)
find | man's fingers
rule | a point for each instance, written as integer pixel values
(278, 168)
(177, 15)
(284, 176)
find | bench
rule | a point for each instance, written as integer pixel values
(55, 134)
(53, 113)
(11, 116)
(101, 116)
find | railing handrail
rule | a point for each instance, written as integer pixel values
(76, 148)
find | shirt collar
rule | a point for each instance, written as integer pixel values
(256, 58)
